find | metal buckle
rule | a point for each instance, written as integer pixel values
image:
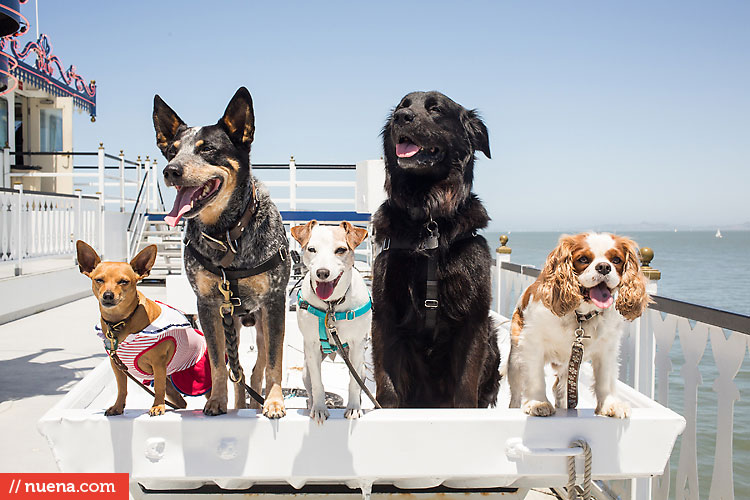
(282, 254)
(347, 315)
(386, 244)
(218, 242)
(431, 304)
(232, 248)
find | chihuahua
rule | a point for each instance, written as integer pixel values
(150, 340)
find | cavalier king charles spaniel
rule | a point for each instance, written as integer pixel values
(592, 281)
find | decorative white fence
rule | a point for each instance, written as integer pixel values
(648, 353)
(35, 224)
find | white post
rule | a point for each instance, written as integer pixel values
(138, 172)
(100, 223)
(79, 222)
(292, 184)
(122, 181)
(147, 173)
(101, 173)
(154, 186)
(6, 167)
(19, 230)
(503, 255)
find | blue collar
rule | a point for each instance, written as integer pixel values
(338, 316)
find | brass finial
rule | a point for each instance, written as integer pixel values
(503, 241)
(139, 158)
(121, 152)
(101, 145)
(93, 118)
(146, 157)
(291, 158)
(93, 82)
(647, 255)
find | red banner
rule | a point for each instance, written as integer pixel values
(54, 486)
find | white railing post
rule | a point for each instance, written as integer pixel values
(502, 255)
(78, 223)
(148, 175)
(153, 180)
(643, 363)
(122, 181)
(138, 172)
(6, 167)
(100, 223)
(19, 230)
(100, 165)
(157, 201)
(292, 184)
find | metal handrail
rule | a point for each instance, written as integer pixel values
(137, 201)
(47, 193)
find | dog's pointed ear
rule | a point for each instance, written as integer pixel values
(302, 233)
(477, 131)
(239, 119)
(144, 261)
(87, 257)
(354, 235)
(166, 124)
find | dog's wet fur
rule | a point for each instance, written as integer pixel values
(200, 155)
(458, 365)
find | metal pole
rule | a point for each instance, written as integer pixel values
(292, 184)
(101, 225)
(19, 230)
(122, 181)
(78, 222)
(154, 185)
(6, 167)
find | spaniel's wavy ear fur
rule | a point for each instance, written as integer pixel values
(632, 298)
(560, 289)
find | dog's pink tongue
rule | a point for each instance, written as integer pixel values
(406, 149)
(323, 289)
(601, 296)
(181, 205)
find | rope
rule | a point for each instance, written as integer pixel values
(587, 461)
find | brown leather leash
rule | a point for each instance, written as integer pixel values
(576, 357)
(111, 344)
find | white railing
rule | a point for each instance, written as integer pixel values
(35, 225)
(116, 178)
(648, 353)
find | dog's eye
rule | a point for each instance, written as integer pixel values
(583, 260)
(616, 260)
(311, 249)
(340, 250)
(99, 280)
(434, 109)
(123, 282)
(207, 149)
(171, 151)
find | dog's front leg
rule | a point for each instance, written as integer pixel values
(357, 357)
(159, 369)
(534, 385)
(314, 380)
(387, 366)
(605, 377)
(273, 317)
(213, 331)
(122, 391)
(467, 388)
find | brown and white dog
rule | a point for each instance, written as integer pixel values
(594, 276)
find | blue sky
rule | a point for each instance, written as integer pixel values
(599, 112)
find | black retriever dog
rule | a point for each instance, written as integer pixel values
(433, 342)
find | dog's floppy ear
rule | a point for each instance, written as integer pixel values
(166, 123)
(560, 290)
(239, 119)
(477, 131)
(632, 298)
(88, 259)
(144, 261)
(354, 235)
(302, 233)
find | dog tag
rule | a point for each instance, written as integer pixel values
(110, 344)
(431, 243)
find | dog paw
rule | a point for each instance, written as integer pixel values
(614, 408)
(114, 410)
(353, 413)
(274, 409)
(157, 410)
(214, 407)
(538, 408)
(319, 414)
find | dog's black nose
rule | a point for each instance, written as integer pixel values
(323, 273)
(172, 171)
(403, 115)
(108, 296)
(603, 268)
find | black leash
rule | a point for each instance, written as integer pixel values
(330, 321)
